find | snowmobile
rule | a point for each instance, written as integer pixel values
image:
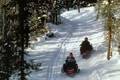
(86, 51)
(86, 54)
(50, 35)
(70, 69)
(71, 72)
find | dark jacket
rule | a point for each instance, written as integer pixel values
(85, 43)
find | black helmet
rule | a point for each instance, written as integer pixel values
(86, 38)
(71, 53)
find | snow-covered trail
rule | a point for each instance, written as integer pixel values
(52, 52)
(48, 51)
(85, 25)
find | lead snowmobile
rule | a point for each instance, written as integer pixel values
(86, 48)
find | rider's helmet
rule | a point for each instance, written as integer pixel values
(71, 54)
(70, 57)
(86, 38)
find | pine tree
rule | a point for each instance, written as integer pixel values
(109, 9)
(15, 39)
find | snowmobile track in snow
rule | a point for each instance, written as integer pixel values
(51, 72)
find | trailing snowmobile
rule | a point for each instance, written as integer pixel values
(70, 66)
(70, 70)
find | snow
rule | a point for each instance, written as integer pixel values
(68, 36)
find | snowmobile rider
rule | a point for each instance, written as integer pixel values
(85, 46)
(70, 63)
(70, 58)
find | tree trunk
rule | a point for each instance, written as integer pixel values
(21, 4)
(78, 5)
(109, 24)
